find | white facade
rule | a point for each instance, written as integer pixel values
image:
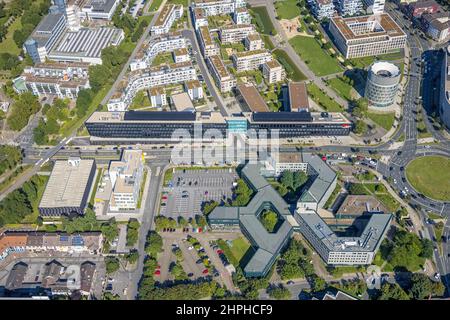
(207, 44)
(250, 60)
(194, 89)
(253, 42)
(214, 8)
(242, 16)
(235, 33)
(224, 80)
(273, 71)
(322, 9)
(99, 9)
(375, 6)
(349, 7)
(167, 16)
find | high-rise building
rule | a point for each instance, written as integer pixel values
(349, 7)
(382, 83)
(374, 6)
(444, 95)
(322, 9)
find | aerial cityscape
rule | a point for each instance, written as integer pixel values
(224, 150)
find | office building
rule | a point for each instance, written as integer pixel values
(126, 179)
(250, 60)
(349, 7)
(182, 102)
(85, 45)
(250, 98)
(98, 9)
(436, 25)
(276, 163)
(298, 97)
(158, 44)
(68, 187)
(242, 16)
(358, 205)
(148, 78)
(146, 127)
(158, 97)
(45, 36)
(367, 35)
(223, 79)
(444, 92)
(267, 245)
(207, 44)
(253, 42)
(194, 89)
(322, 9)
(63, 80)
(235, 33)
(167, 16)
(382, 83)
(273, 71)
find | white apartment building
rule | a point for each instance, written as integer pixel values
(235, 33)
(98, 9)
(242, 16)
(375, 6)
(322, 9)
(253, 42)
(200, 18)
(168, 15)
(126, 178)
(157, 45)
(349, 7)
(148, 78)
(215, 7)
(194, 89)
(224, 80)
(250, 60)
(180, 55)
(437, 25)
(273, 71)
(158, 97)
(366, 36)
(207, 44)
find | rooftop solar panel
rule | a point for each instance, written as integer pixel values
(282, 116)
(158, 116)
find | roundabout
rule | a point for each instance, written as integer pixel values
(430, 176)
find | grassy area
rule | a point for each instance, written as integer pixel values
(314, 56)
(163, 58)
(430, 175)
(267, 42)
(41, 188)
(8, 44)
(262, 20)
(94, 189)
(322, 99)
(239, 247)
(341, 87)
(367, 61)
(141, 189)
(384, 120)
(155, 5)
(183, 2)
(168, 176)
(434, 216)
(287, 9)
(291, 69)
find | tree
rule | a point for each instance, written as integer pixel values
(112, 264)
(201, 221)
(421, 286)
(132, 257)
(427, 248)
(99, 75)
(300, 178)
(287, 179)
(209, 206)
(242, 194)
(269, 220)
(392, 291)
(21, 110)
(279, 292)
(317, 283)
(154, 244)
(132, 232)
(291, 271)
(360, 127)
(361, 107)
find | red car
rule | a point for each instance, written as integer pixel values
(164, 197)
(157, 272)
(205, 271)
(219, 251)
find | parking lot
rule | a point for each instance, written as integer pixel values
(188, 189)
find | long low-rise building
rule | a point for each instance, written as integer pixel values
(235, 33)
(148, 127)
(365, 36)
(32, 241)
(217, 7)
(167, 16)
(250, 98)
(207, 44)
(159, 44)
(148, 78)
(444, 92)
(63, 80)
(250, 60)
(224, 80)
(68, 187)
(85, 45)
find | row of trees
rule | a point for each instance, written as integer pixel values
(24, 106)
(54, 114)
(132, 232)
(9, 157)
(294, 262)
(163, 222)
(420, 287)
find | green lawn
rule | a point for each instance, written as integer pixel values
(8, 44)
(267, 42)
(314, 56)
(163, 58)
(430, 175)
(384, 120)
(262, 20)
(364, 62)
(239, 247)
(155, 5)
(322, 99)
(287, 9)
(341, 87)
(291, 69)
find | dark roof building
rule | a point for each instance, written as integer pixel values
(16, 276)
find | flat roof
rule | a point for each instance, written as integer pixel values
(236, 27)
(206, 36)
(298, 96)
(100, 5)
(192, 84)
(67, 184)
(290, 157)
(158, 116)
(389, 27)
(243, 54)
(254, 37)
(127, 168)
(282, 117)
(164, 15)
(359, 204)
(219, 66)
(252, 98)
(49, 22)
(324, 177)
(182, 102)
(180, 52)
